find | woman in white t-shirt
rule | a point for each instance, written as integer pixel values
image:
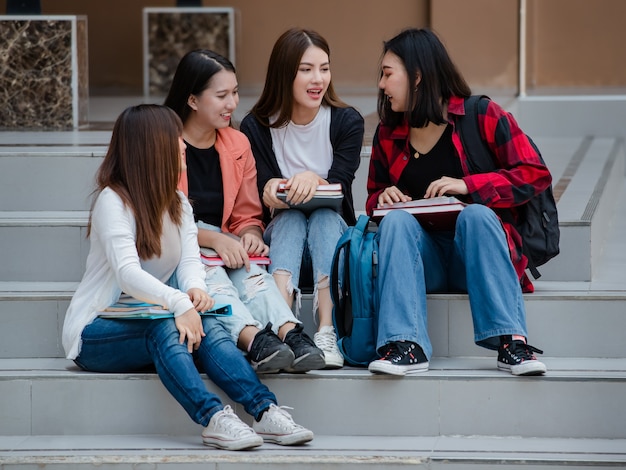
(303, 135)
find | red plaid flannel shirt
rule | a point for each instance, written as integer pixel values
(521, 174)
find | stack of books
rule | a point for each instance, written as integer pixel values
(326, 195)
(135, 310)
(437, 213)
(210, 258)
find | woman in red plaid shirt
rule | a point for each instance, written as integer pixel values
(417, 153)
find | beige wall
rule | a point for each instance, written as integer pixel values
(571, 43)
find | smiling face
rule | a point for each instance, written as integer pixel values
(394, 82)
(215, 105)
(311, 83)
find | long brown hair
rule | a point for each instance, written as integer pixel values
(142, 166)
(277, 95)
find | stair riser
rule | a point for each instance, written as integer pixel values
(44, 252)
(562, 327)
(370, 405)
(47, 183)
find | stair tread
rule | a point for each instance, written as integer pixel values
(440, 367)
(324, 449)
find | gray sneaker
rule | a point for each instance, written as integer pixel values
(268, 354)
(307, 355)
(277, 426)
(227, 431)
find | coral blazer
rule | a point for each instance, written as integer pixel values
(242, 206)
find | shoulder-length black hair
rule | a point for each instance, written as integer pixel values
(277, 95)
(424, 56)
(193, 75)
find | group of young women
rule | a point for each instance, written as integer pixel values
(178, 177)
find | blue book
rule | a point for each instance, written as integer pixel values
(133, 310)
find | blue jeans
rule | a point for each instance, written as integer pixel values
(414, 262)
(131, 345)
(292, 236)
(253, 296)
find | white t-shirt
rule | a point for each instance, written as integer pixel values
(305, 147)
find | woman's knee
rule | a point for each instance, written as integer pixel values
(398, 222)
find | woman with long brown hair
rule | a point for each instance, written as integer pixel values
(143, 246)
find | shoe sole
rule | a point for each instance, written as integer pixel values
(288, 439)
(274, 363)
(240, 444)
(384, 367)
(333, 363)
(526, 369)
(306, 363)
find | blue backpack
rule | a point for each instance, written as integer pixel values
(355, 303)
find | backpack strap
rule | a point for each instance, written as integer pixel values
(479, 159)
(353, 234)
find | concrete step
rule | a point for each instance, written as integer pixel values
(44, 245)
(50, 178)
(577, 398)
(564, 323)
(45, 194)
(131, 452)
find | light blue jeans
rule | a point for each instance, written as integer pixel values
(295, 239)
(254, 296)
(131, 345)
(414, 262)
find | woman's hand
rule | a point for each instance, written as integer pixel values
(232, 252)
(201, 300)
(446, 185)
(253, 243)
(189, 325)
(302, 187)
(391, 195)
(269, 194)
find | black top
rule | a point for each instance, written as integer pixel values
(428, 167)
(204, 176)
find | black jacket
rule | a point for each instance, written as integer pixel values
(346, 138)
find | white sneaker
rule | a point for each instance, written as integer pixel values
(326, 340)
(227, 431)
(277, 426)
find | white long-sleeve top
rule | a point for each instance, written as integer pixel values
(114, 266)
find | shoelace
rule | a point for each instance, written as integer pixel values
(282, 418)
(264, 337)
(297, 339)
(325, 341)
(229, 420)
(395, 352)
(523, 350)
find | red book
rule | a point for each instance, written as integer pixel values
(437, 213)
(210, 257)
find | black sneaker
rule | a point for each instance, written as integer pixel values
(307, 355)
(401, 358)
(517, 357)
(268, 354)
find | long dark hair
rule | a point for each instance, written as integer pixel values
(193, 75)
(424, 55)
(277, 95)
(142, 165)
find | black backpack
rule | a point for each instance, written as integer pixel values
(538, 222)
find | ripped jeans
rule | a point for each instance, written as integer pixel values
(293, 237)
(253, 296)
